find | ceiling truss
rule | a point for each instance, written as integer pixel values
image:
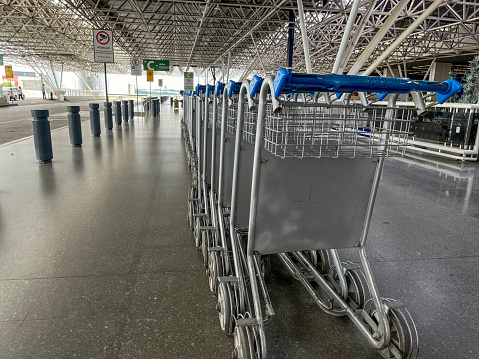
(200, 34)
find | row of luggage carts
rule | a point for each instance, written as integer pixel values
(290, 166)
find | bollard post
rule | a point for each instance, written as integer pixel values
(118, 112)
(107, 112)
(154, 107)
(42, 136)
(132, 108)
(125, 110)
(95, 119)
(74, 125)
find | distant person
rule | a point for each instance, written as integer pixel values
(20, 93)
(43, 92)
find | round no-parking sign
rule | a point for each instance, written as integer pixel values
(136, 66)
(102, 37)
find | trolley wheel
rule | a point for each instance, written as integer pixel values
(225, 264)
(266, 267)
(243, 343)
(361, 294)
(190, 217)
(214, 271)
(401, 343)
(191, 207)
(355, 284)
(225, 308)
(205, 244)
(197, 232)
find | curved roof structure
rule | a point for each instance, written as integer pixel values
(252, 33)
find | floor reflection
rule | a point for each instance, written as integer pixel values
(47, 179)
(451, 184)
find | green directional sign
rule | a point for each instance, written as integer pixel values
(189, 81)
(1, 60)
(156, 65)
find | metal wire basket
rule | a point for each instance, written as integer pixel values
(316, 130)
(249, 126)
(231, 115)
(210, 114)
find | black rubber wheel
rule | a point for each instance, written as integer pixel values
(401, 339)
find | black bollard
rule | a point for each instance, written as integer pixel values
(74, 125)
(125, 110)
(131, 105)
(108, 117)
(118, 112)
(42, 136)
(154, 106)
(95, 119)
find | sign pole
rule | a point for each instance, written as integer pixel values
(106, 83)
(136, 70)
(150, 89)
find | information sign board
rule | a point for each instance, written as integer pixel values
(136, 68)
(160, 82)
(1, 59)
(8, 72)
(103, 45)
(149, 75)
(189, 80)
(156, 65)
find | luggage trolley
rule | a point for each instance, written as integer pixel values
(207, 229)
(232, 294)
(195, 199)
(219, 260)
(203, 147)
(190, 147)
(315, 174)
(187, 128)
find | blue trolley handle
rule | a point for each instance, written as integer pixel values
(199, 88)
(209, 90)
(255, 85)
(286, 82)
(233, 88)
(219, 88)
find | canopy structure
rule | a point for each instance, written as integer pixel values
(251, 34)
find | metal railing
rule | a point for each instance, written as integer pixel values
(450, 130)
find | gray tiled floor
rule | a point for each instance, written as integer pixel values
(97, 260)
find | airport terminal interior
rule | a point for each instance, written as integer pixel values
(311, 192)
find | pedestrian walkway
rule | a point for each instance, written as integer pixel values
(97, 259)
